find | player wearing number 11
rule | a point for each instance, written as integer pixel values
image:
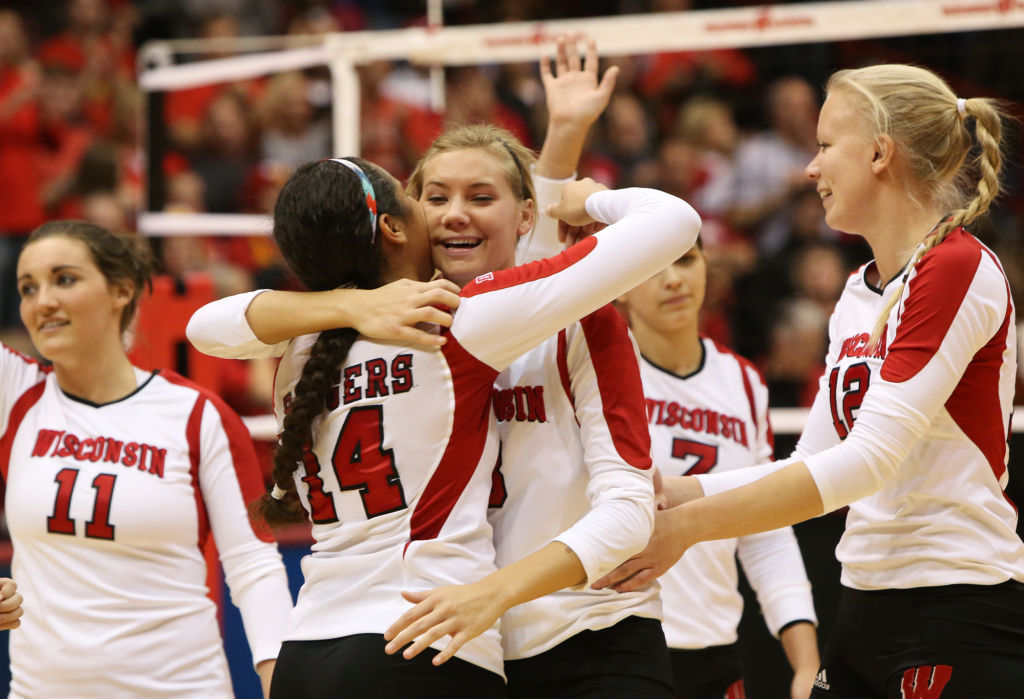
(114, 478)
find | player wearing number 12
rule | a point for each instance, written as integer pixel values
(909, 427)
(115, 477)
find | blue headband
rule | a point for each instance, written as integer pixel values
(371, 198)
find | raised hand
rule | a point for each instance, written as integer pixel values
(574, 93)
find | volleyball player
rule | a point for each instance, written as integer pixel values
(910, 424)
(400, 471)
(115, 478)
(592, 477)
(708, 412)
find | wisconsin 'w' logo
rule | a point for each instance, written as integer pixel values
(925, 682)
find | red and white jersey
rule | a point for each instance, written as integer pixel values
(573, 446)
(108, 508)
(913, 435)
(402, 464)
(716, 419)
(575, 467)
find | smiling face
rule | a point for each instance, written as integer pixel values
(671, 299)
(472, 213)
(843, 167)
(67, 304)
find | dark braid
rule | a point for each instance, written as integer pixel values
(321, 226)
(326, 355)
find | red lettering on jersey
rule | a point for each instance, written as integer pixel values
(44, 440)
(69, 447)
(654, 411)
(519, 403)
(401, 373)
(113, 450)
(925, 682)
(736, 690)
(713, 422)
(352, 393)
(131, 454)
(156, 461)
(377, 371)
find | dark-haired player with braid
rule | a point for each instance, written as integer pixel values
(910, 424)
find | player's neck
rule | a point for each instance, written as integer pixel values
(99, 377)
(902, 225)
(678, 351)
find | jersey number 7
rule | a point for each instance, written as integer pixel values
(700, 456)
(360, 463)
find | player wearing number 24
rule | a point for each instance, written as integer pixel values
(114, 478)
(909, 426)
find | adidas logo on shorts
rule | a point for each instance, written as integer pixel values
(821, 680)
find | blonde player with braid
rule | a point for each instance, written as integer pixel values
(910, 423)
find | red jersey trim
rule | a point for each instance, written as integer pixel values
(618, 380)
(562, 360)
(934, 297)
(472, 383)
(974, 404)
(192, 430)
(503, 279)
(243, 452)
(745, 366)
(18, 411)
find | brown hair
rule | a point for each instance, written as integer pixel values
(120, 258)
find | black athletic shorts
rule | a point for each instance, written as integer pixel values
(626, 661)
(707, 673)
(357, 666)
(946, 642)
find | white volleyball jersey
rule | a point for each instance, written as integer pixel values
(913, 434)
(402, 474)
(575, 467)
(108, 508)
(712, 420)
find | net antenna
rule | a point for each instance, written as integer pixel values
(516, 42)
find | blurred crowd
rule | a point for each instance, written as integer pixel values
(729, 130)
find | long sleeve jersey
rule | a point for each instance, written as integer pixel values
(575, 466)
(109, 507)
(402, 463)
(912, 434)
(712, 420)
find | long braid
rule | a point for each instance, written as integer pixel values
(326, 355)
(324, 233)
(988, 133)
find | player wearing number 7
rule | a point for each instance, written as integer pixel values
(707, 411)
(115, 477)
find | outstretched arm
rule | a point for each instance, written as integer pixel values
(259, 324)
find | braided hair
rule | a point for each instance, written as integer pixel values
(324, 233)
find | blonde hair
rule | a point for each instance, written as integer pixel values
(514, 157)
(919, 111)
